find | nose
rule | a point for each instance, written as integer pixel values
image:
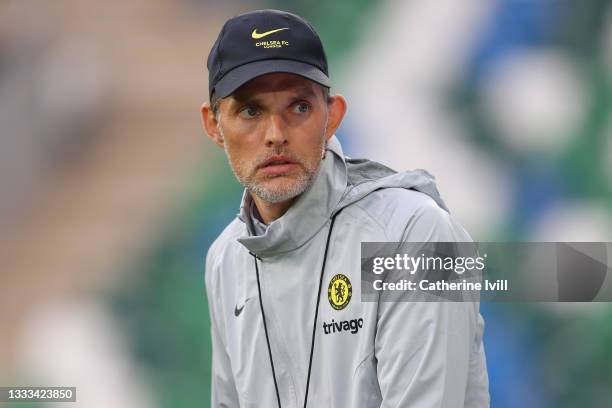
(276, 132)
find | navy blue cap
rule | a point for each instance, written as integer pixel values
(262, 42)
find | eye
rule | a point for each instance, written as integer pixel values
(302, 107)
(249, 112)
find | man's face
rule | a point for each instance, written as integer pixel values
(273, 130)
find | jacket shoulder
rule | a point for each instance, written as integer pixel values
(402, 212)
(395, 204)
(220, 247)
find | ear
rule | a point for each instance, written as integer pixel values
(211, 125)
(335, 112)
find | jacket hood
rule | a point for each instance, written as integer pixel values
(340, 181)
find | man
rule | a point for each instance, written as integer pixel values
(277, 340)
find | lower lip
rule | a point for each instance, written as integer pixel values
(277, 169)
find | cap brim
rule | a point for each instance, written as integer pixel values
(244, 73)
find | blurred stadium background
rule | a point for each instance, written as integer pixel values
(110, 193)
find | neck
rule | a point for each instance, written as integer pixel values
(271, 211)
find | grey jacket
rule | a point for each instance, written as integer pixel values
(401, 354)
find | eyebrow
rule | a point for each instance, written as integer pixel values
(300, 92)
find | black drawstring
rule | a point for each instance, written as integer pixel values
(314, 324)
(263, 314)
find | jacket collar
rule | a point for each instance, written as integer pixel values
(307, 215)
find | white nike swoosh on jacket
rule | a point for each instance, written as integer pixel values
(407, 354)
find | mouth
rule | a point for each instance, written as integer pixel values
(278, 165)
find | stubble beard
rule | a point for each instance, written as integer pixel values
(246, 173)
